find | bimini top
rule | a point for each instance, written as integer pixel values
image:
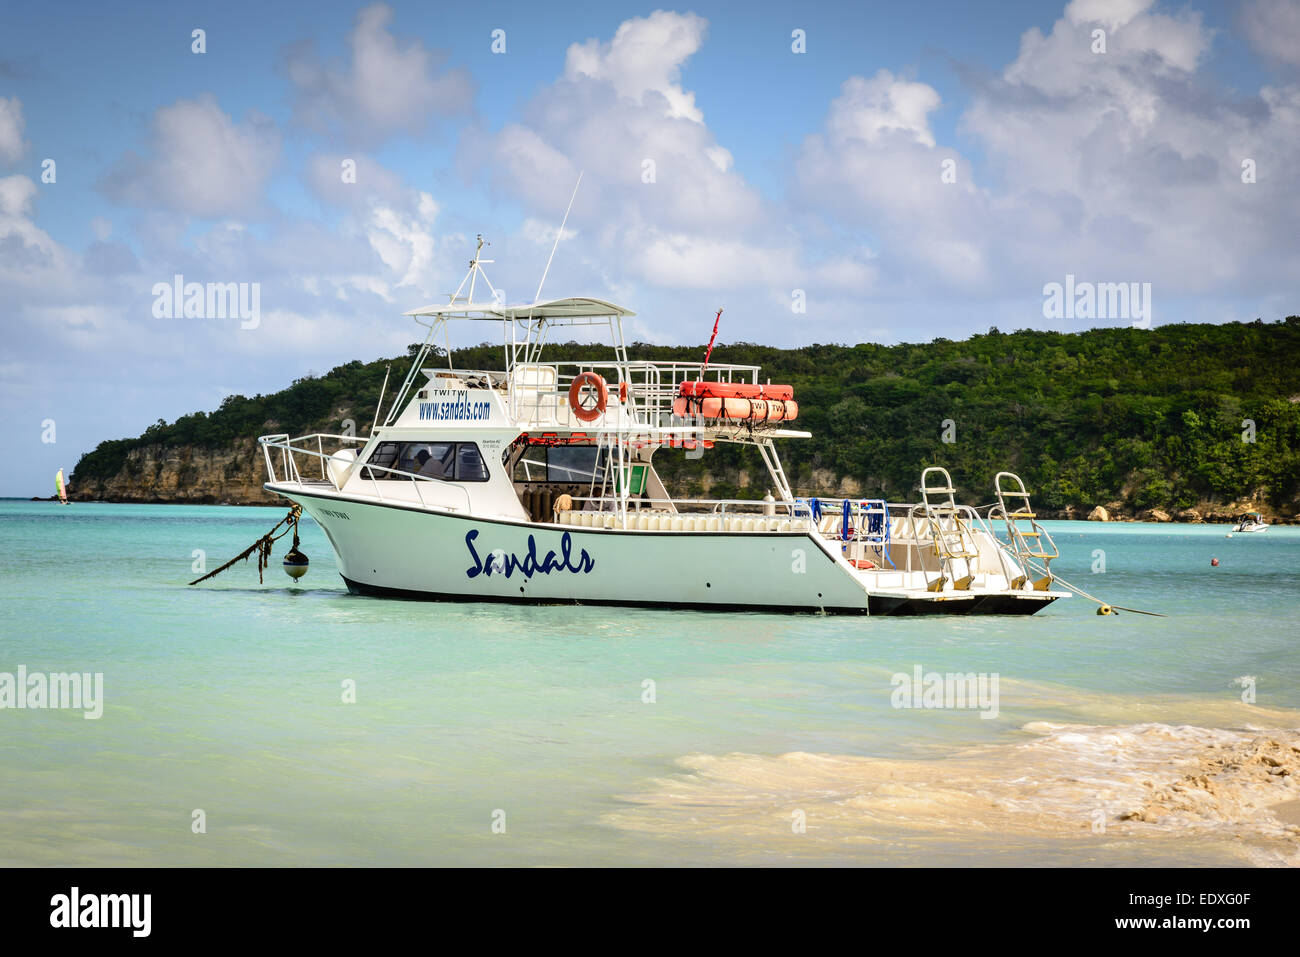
(579, 308)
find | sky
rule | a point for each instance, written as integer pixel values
(826, 172)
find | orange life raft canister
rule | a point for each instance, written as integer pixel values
(740, 401)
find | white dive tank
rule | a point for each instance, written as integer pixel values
(339, 464)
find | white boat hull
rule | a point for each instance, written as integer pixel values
(406, 551)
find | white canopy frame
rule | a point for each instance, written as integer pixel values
(525, 326)
(526, 329)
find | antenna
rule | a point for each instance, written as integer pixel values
(380, 403)
(476, 270)
(538, 295)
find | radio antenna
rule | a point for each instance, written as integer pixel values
(558, 234)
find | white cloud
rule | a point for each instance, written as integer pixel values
(405, 242)
(876, 169)
(16, 194)
(198, 162)
(699, 262)
(721, 157)
(12, 144)
(868, 110)
(49, 293)
(373, 181)
(1273, 28)
(387, 87)
(395, 220)
(660, 196)
(644, 57)
(1140, 160)
(29, 256)
(1120, 166)
(1113, 13)
(543, 233)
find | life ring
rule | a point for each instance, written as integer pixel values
(588, 413)
(622, 392)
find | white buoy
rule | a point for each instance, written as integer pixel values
(295, 564)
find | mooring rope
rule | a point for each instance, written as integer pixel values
(263, 545)
(1104, 608)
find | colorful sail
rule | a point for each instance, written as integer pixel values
(63, 491)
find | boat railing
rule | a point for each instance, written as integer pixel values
(290, 448)
(539, 391)
(682, 515)
(493, 380)
(902, 527)
(824, 516)
(713, 506)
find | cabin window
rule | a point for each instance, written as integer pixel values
(430, 459)
(449, 461)
(572, 463)
(569, 464)
(384, 457)
(469, 464)
(531, 465)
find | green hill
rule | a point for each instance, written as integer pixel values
(1147, 418)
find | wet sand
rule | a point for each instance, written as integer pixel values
(1226, 788)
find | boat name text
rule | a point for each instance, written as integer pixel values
(506, 564)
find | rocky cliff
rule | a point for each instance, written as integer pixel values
(231, 475)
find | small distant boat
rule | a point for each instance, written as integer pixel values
(1251, 522)
(61, 486)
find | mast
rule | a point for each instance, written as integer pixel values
(471, 277)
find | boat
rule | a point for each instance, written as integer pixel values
(61, 487)
(536, 483)
(1251, 522)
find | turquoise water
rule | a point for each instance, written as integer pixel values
(227, 697)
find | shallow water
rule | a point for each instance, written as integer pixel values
(227, 697)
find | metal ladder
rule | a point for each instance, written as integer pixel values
(1027, 544)
(952, 536)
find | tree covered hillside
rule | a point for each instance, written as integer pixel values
(1152, 418)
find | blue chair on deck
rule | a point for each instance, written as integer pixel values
(808, 508)
(876, 512)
